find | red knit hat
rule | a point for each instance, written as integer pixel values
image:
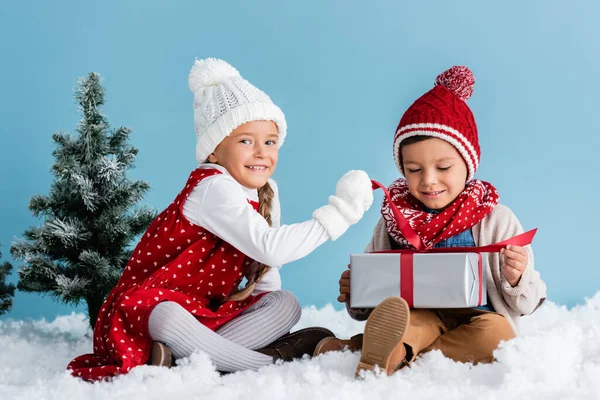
(443, 113)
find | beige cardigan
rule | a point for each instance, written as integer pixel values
(511, 302)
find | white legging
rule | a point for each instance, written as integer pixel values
(231, 346)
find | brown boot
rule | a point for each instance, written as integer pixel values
(296, 344)
(332, 343)
(382, 342)
(160, 355)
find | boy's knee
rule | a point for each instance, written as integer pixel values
(494, 328)
(497, 327)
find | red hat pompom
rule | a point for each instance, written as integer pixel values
(459, 80)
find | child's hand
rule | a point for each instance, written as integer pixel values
(356, 189)
(353, 196)
(515, 262)
(344, 296)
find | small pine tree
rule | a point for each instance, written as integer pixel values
(89, 223)
(7, 290)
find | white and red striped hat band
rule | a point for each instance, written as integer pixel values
(450, 135)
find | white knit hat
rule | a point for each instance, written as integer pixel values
(223, 100)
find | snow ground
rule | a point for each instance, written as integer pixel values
(557, 356)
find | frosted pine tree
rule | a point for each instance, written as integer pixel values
(89, 220)
(7, 290)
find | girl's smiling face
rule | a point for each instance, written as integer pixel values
(249, 153)
(435, 172)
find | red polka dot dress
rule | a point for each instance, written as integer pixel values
(175, 260)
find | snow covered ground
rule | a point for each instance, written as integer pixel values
(557, 356)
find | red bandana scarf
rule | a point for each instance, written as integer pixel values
(477, 200)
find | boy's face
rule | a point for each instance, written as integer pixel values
(435, 172)
(249, 153)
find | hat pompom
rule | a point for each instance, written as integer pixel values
(210, 72)
(459, 80)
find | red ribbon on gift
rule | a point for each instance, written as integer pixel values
(406, 255)
(407, 284)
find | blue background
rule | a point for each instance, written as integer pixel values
(343, 72)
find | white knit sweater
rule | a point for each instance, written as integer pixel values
(511, 302)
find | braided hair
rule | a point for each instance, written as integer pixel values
(265, 204)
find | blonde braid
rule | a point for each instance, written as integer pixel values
(265, 204)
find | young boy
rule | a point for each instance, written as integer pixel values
(436, 148)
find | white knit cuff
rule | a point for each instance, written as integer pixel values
(208, 140)
(521, 288)
(331, 220)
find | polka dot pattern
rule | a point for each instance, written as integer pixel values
(175, 260)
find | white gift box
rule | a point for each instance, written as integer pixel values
(424, 280)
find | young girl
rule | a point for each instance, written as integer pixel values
(179, 291)
(436, 148)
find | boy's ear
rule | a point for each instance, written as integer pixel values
(212, 158)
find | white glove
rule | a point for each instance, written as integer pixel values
(354, 196)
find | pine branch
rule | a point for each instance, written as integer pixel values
(141, 219)
(71, 290)
(118, 139)
(7, 290)
(109, 170)
(71, 233)
(127, 156)
(39, 204)
(83, 186)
